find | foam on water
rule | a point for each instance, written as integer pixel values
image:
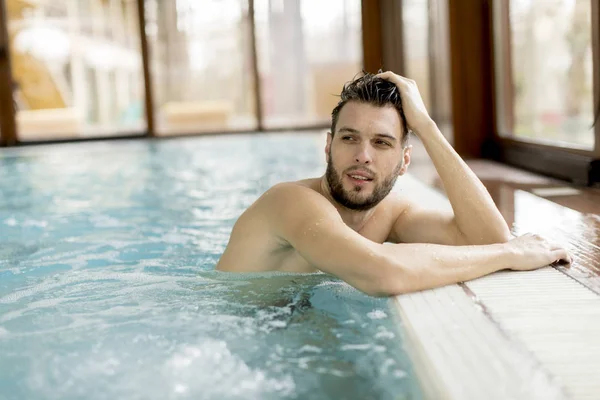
(108, 288)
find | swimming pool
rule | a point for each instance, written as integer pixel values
(108, 288)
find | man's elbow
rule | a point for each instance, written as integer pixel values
(502, 235)
(390, 289)
(389, 280)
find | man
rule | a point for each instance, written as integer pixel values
(338, 223)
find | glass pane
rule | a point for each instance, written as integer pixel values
(201, 65)
(415, 20)
(548, 90)
(427, 57)
(77, 68)
(307, 50)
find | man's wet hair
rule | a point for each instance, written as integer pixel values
(372, 90)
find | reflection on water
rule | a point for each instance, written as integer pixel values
(107, 287)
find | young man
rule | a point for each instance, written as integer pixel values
(338, 223)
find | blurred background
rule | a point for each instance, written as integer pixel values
(511, 80)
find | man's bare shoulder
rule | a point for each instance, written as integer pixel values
(290, 196)
(311, 183)
(260, 239)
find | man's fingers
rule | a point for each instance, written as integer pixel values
(385, 74)
(561, 255)
(389, 75)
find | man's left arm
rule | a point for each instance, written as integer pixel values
(475, 214)
(476, 220)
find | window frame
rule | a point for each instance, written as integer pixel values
(568, 162)
(8, 130)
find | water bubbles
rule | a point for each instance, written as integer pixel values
(10, 222)
(364, 346)
(180, 389)
(400, 374)
(377, 314)
(310, 349)
(384, 335)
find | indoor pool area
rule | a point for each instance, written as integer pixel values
(108, 288)
(299, 199)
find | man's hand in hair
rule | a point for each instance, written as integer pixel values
(417, 117)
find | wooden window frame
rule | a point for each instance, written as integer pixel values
(573, 164)
(8, 129)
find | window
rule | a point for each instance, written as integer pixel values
(415, 20)
(203, 80)
(307, 50)
(426, 50)
(544, 71)
(66, 73)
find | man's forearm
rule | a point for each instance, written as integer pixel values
(421, 266)
(476, 215)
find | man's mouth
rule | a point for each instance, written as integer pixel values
(359, 177)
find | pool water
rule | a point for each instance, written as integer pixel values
(108, 288)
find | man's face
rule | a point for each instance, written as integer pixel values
(365, 155)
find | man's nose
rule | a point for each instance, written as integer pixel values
(363, 156)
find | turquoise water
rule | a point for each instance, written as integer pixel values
(108, 288)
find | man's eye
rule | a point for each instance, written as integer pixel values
(382, 142)
(347, 138)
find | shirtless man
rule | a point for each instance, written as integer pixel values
(338, 223)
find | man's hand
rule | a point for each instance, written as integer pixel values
(533, 251)
(417, 116)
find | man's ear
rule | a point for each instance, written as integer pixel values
(328, 145)
(406, 152)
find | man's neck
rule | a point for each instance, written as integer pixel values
(355, 219)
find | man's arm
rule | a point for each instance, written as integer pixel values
(477, 220)
(309, 223)
(475, 214)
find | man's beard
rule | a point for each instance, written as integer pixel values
(351, 199)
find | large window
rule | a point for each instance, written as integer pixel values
(544, 71)
(201, 59)
(307, 50)
(213, 65)
(77, 68)
(426, 51)
(415, 21)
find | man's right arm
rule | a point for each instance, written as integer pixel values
(309, 223)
